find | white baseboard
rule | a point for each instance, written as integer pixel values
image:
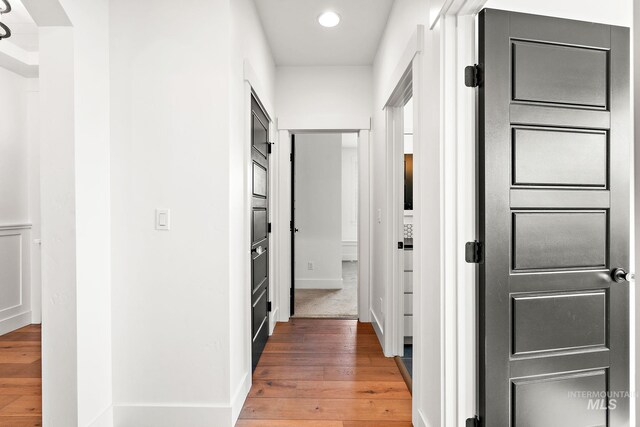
(240, 396)
(12, 323)
(349, 250)
(273, 319)
(377, 327)
(104, 420)
(418, 418)
(319, 283)
(171, 416)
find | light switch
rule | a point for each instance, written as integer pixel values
(163, 219)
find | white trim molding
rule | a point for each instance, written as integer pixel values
(364, 225)
(253, 85)
(319, 283)
(635, 225)
(15, 277)
(167, 415)
(15, 227)
(105, 419)
(282, 234)
(240, 395)
(453, 38)
(251, 77)
(349, 250)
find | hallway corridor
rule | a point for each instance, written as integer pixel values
(326, 373)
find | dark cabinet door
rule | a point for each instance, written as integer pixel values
(554, 142)
(259, 230)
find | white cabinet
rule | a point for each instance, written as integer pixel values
(408, 293)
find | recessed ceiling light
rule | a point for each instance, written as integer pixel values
(329, 19)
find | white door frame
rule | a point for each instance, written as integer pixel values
(635, 237)
(393, 344)
(253, 86)
(282, 173)
(453, 30)
(445, 372)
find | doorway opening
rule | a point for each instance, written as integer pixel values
(20, 231)
(324, 228)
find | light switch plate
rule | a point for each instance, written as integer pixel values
(163, 219)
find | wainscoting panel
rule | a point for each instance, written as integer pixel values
(15, 287)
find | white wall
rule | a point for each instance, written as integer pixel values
(16, 197)
(181, 340)
(33, 141)
(74, 178)
(14, 149)
(93, 203)
(349, 196)
(318, 211)
(405, 16)
(58, 210)
(170, 148)
(613, 12)
(337, 98)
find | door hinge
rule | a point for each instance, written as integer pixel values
(268, 306)
(269, 228)
(291, 157)
(473, 252)
(400, 245)
(472, 76)
(473, 422)
(269, 145)
(290, 225)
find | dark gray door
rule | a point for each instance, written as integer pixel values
(259, 230)
(554, 221)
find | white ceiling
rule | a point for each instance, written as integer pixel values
(24, 31)
(296, 38)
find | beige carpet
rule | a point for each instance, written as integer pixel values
(340, 303)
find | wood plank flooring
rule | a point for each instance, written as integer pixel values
(326, 373)
(20, 378)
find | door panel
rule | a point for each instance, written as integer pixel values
(259, 231)
(565, 321)
(260, 224)
(559, 157)
(559, 74)
(544, 400)
(554, 240)
(554, 137)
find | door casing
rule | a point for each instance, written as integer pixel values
(282, 172)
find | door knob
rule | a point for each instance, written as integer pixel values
(619, 275)
(295, 230)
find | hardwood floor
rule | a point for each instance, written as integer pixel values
(326, 373)
(20, 378)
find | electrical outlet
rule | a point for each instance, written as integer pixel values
(310, 265)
